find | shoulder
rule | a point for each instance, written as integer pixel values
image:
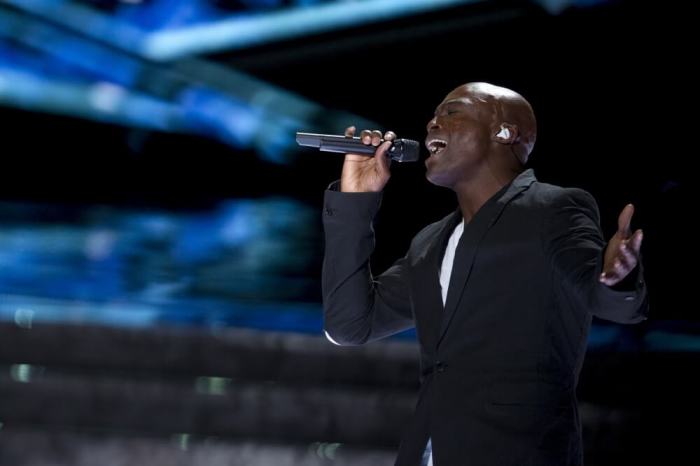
(549, 196)
(564, 209)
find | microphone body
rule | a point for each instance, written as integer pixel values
(401, 150)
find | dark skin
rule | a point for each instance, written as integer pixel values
(479, 139)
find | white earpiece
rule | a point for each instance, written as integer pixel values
(504, 133)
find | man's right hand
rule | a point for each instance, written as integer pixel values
(364, 173)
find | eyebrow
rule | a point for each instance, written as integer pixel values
(461, 100)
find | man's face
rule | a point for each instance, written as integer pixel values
(458, 137)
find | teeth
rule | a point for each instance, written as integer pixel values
(436, 145)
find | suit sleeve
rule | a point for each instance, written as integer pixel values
(575, 246)
(358, 307)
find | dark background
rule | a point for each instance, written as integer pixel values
(611, 88)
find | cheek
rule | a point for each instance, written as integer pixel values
(469, 139)
(470, 144)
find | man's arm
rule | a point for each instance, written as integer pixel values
(357, 306)
(576, 248)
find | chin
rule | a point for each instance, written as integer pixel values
(435, 179)
(430, 170)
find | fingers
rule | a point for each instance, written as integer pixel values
(628, 257)
(381, 150)
(622, 252)
(624, 220)
(371, 137)
(636, 241)
(612, 276)
(366, 136)
(384, 163)
(606, 279)
(374, 137)
(617, 273)
(624, 261)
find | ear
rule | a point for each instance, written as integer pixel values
(506, 133)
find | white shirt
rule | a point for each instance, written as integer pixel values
(448, 260)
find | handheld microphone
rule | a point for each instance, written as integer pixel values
(401, 150)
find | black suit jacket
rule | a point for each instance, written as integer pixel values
(500, 361)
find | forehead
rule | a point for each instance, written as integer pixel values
(470, 100)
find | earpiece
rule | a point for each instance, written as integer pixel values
(504, 133)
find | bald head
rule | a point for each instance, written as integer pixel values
(508, 110)
(479, 133)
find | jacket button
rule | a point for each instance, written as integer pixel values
(440, 366)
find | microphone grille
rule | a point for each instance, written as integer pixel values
(405, 150)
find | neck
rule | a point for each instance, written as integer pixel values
(473, 194)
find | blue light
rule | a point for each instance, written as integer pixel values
(95, 25)
(93, 67)
(256, 29)
(99, 101)
(663, 341)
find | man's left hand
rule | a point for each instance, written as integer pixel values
(622, 252)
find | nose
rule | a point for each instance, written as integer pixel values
(432, 124)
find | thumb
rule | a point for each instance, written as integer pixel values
(384, 161)
(624, 220)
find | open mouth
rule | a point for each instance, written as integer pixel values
(435, 146)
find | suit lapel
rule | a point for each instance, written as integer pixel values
(468, 245)
(428, 300)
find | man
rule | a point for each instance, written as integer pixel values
(501, 292)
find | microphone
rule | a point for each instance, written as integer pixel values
(401, 150)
